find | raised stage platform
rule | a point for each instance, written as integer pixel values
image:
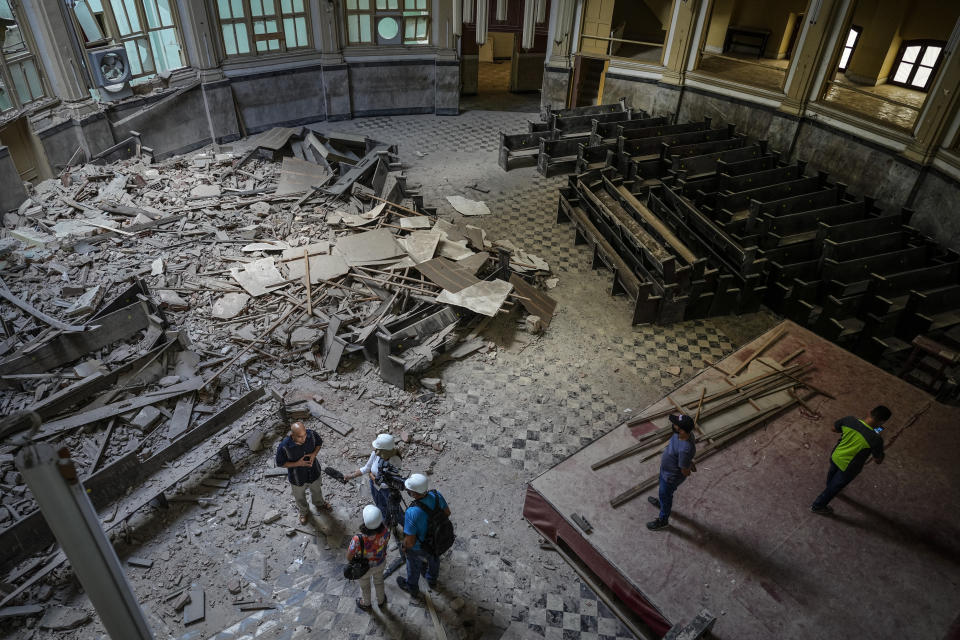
(743, 543)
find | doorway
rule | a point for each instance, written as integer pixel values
(24, 150)
(501, 75)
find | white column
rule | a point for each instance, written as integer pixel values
(529, 23)
(483, 15)
(72, 519)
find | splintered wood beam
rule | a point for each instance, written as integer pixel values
(777, 334)
(306, 263)
(263, 336)
(68, 347)
(36, 313)
(711, 448)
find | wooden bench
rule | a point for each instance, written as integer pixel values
(646, 306)
(559, 155)
(521, 149)
(567, 125)
(761, 178)
(699, 165)
(610, 131)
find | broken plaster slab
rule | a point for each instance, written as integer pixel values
(266, 245)
(352, 220)
(468, 207)
(369, 247)
(230, 305)
(421, 245)
(321, 268)
(485, 297)
(258, 277)
(205, 191)
(31, 237)
(415, 222)
(454, 250)
(81, 228)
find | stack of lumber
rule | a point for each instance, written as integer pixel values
(725, 409)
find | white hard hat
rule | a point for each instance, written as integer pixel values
(372, 518)
(384, 442)
(417, 483)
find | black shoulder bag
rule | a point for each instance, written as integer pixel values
(358, 565)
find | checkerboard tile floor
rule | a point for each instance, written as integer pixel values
(525, 411)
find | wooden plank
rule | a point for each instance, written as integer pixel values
(110, 410)
(7, 295)
(196, 610)
(638, 489)
(447, 274)
(68, 347)
(21, 611)
(328, 419)
(180, 421)
(663, 230)
(536, 302)
(777, 334)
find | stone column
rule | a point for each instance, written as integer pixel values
(57, 51)
(814, 53)
(328, 33)
(200, 34)
(938, 109)
(64, 65)
(680, 44)
(447, 86)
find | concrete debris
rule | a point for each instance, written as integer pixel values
(229, 305)
(431, 384)
(182, 601)
(136, 561)
(147, 419)
(533, 325)
(58, 618)
(192, 282)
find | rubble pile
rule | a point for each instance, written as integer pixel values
(142, 302)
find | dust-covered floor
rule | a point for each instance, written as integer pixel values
(503, 417)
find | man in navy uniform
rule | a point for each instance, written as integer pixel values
(675, 465)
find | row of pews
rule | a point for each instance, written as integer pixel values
(695, 221)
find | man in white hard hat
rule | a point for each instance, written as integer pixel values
(384, 450)
(415, 531)
(372, 542)
(297, 453)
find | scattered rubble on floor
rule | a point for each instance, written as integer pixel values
(147, 307)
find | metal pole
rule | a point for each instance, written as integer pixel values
(53, 480)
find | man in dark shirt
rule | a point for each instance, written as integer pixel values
(859, 439)
(297, 453)
(675, 465)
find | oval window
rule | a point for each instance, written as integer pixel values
(388, 28)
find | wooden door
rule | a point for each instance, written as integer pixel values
(597, 18)
(16, 137)
(587, 86)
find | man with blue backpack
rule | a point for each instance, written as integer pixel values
(428, 533)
